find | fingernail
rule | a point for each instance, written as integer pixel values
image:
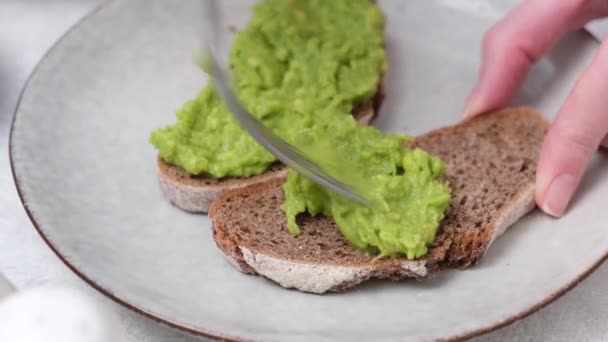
(558, 195)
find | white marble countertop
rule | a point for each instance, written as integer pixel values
(27, 29)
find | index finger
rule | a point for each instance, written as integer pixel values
(513, 45)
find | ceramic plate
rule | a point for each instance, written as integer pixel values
(87, 177)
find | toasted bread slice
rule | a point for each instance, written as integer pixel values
(195, 193)
(491, 166)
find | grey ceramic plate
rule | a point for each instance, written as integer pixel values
(87, 178)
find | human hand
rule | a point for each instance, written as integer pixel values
(510, 48)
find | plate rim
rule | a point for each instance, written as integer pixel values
(201, 332)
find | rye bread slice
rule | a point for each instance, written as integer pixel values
(491, 167)
(196, 193)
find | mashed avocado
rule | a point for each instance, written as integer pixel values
(296, 60)
(301, 66)
(407, 196)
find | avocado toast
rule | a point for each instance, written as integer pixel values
(303, 67)
(491, 162)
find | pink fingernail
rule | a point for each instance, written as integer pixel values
(558, 195)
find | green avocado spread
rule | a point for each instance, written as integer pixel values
(295, 61)
(301, 67)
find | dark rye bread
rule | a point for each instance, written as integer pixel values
(491, 166)
(195, 193)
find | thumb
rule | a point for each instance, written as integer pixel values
(573, 137)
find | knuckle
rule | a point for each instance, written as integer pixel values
(493, 38)
(502, 39)
(573, 137)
